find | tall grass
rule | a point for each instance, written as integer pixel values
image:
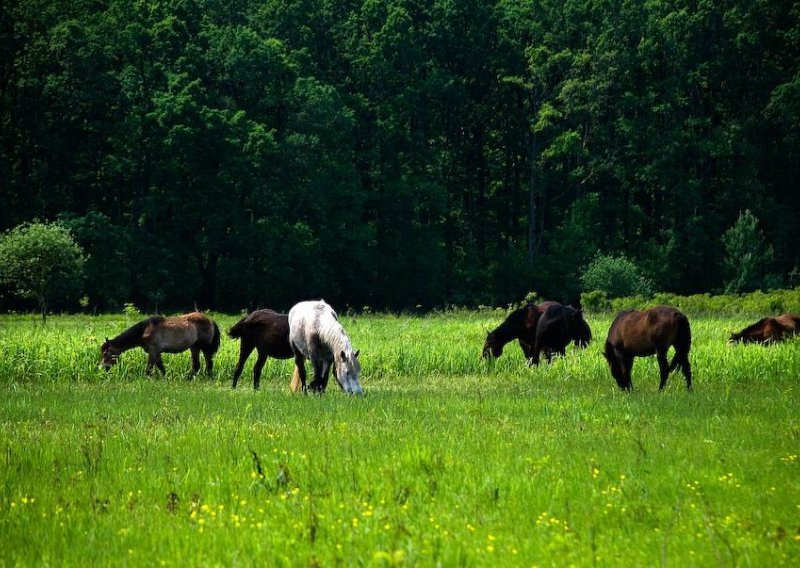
(448, 460)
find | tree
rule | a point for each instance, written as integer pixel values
(41, 261)
(747, 255)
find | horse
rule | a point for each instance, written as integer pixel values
(157, 335)
(768, 330)
(315, 333)
(521, 325)
(266, 331)
(635, 333)
(557, 327)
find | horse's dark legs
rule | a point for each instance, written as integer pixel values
(209, 356)
(318, 384)
(262, 359)
(195, 361)
(687, 370)
(663, 367)
(154, 359)
(625, 366)
(244, 352)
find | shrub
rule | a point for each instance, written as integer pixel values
(747, 256)
(41, 261)
(616, 276)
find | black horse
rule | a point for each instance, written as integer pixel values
(266, 331)
(557, 327)
(521, 325)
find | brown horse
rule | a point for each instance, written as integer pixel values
(158, 335)
(640, 334)
(769, 330)
(266, 331)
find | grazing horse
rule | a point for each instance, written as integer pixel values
(634, 333)
(315, 333)
(521, 325)
(558, 326)
(769, 330)
(266, 331)
(158, 335)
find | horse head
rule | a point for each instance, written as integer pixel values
(491, 347)
(348, 370)
(109, 355)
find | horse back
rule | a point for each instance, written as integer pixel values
(789, 322)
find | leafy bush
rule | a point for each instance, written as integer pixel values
(616, 276)
(41, 261)
(595, 301)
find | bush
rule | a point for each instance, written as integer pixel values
(595, 301)
(616, 276)
(756, 304)
(41, 261)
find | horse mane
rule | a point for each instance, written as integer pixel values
(133, 334)
(332, 333)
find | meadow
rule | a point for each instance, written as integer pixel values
(448, 460)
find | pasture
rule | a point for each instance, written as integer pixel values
(448, 459)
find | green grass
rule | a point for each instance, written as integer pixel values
(447, 460)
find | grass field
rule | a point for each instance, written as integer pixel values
(447, 460)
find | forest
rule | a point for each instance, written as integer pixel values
(402, 154)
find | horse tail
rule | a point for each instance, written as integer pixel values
(294, 386)
(683, 342)
(215, 341)
(237, 331)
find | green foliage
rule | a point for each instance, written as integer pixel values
(42, 262)
(595, 301)
(752, 305)
(747, 255)
(615, 276)
(398, 153)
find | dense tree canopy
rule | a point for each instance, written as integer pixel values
(398, 153)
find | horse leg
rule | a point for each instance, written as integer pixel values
(209, 356)
(195, 361)
(687, 370)
(663, 367)
(156, 358)
(262, 358)
(326, 373)
(244, 352)
(318, 384)
(628, 366)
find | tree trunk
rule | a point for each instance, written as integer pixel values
(208, 287)
(532, 198)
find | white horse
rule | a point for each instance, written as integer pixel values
(315, 333)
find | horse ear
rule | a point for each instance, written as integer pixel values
(356, 353)
(344, 357)
(106, 339)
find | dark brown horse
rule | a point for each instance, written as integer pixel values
(769, 330)
(158, 335)
(640, 334)
(521, 325)
(559, 326)
(266, 331)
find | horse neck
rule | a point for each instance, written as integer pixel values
(507, 331)
(130, 338)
